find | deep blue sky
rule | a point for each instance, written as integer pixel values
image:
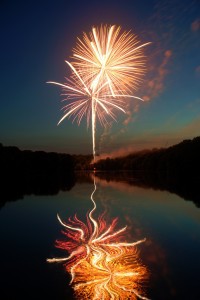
(38, 36)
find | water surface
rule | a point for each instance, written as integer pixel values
(171, 226)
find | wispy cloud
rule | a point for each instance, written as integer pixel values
(197, 70)
(156, 85)
(154, 139)
(152, 88)
(195, 26)
(169, 41)
(105, 136)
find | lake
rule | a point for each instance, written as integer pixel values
(171, 225)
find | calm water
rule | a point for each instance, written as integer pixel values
(29, 228)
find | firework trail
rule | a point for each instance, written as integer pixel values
(107, 66)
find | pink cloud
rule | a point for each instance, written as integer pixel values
(198, 70)
(151, 140)
(195, 26)
(150, 89)
(156, 84)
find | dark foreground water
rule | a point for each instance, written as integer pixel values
(171, 226)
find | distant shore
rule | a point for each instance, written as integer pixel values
(182, 158)
(175, 169)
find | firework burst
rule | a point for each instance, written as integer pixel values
(107, 66)
(109, 55)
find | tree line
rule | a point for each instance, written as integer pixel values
(176, 169)
(183, 158)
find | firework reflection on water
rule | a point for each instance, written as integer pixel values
(102, 263)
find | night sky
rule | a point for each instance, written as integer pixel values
(38, 36)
